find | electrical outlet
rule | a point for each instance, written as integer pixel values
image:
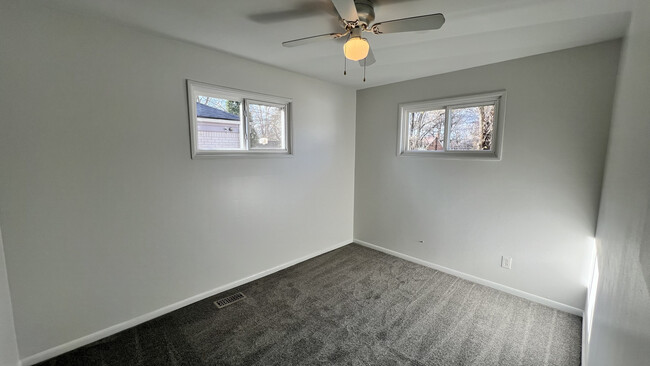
(506, 262)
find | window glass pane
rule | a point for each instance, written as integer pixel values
(266, 124)
(426, 130)
(471, 128)
(219, 124)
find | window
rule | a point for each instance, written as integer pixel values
(227, 121)
(468, 126)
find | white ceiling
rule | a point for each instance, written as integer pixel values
(477, 32)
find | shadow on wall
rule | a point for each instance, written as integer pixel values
(644, 250)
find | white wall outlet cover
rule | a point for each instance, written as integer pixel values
(506, 262)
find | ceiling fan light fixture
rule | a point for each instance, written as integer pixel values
(356, 48)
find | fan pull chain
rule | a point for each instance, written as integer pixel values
(345, 65)
(364, 69)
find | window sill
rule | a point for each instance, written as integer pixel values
(243, 154)
(468, 155)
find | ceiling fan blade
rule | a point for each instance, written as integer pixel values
(306, 9)
(302, 41)
(369, 60)
(347, 10)
(419, 23)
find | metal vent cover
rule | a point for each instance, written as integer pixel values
(228, 300)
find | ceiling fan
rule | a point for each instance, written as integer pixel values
(356, 16)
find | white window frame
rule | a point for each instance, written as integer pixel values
(497, 98)
(282, 106)
(196, 88)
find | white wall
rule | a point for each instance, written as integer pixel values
(621, 328)
(104, 215)
(8, 346)
(537, 205)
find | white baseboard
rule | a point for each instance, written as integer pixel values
(79, 342)
(488, 283)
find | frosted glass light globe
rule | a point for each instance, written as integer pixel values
(356, 49)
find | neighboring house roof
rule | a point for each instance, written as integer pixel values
(205, 111)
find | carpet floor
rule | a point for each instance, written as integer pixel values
(351, 306)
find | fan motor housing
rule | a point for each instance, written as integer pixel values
(365, 10)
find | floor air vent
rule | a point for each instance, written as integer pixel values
(222, 303)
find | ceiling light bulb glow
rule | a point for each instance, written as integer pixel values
(356, 48)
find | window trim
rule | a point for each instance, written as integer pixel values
(495, 153)
(194, 88)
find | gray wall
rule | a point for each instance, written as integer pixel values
(538, 204)
(621, 327)
(104, 215)
(8, 346)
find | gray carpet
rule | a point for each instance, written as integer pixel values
(351, 306)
